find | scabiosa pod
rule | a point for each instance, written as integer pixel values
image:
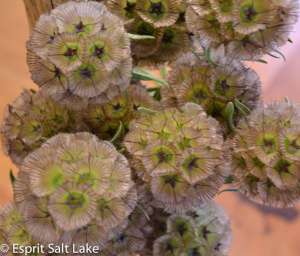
(194, 79)
(32, 119)
(104, 120)
(78, 52)
(204, 231)
(180, 160)
(77, 186)
(265, 167)
(241, 29)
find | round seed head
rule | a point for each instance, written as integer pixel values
(183, 227)
(22, 190)
(119, 179)
(45, 175)
(284, 173)
(160, 157)
(124, 9)
(201, 7)
(88, 80)
(128, 242)
(160, 13)
(78, 18)
(91, 234)
(255, 166)
(46, 75)
(38, 221)
(289, 142)
(17, 234)
(91, 171)
(174, 44)
(194, 89)
(264, 142)
(110, 212)
(170, 189)
(9, 217)
(223, 9)
(197, 165)
(43, 35)
(250, 16)
(147, 47)
(279, 198)
(104, 51)
(167, 245)
(67, 51)
(72, 205)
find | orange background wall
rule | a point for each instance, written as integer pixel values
(258, 231)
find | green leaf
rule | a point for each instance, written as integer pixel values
(24, 88)
(229, 179)
(33, 91)
(260, 60)
(279, 52)
(127, 98)
(241, 107)
(228, 189)
(157, 95)
(121, 150)
(139, 37)
(117, 135)
(163, 72)
(143, 211)
(12, 177)
(146, 77)
(274, 56)
(229, 116)
(287, 100)
(197, 53)
(154, 89)
(147, 72)
(147, 111)
(209, 59)
(290, 40)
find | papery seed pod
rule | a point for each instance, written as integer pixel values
(198, 81)
(147, 47)
(128, 242)
(31, 120)
(78, 52)
(72, 205)
(123, 9)
(167, 245)
(38, 221)
(160, 13)
(270, 173)
(91, 234)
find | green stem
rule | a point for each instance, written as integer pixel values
(147, 111)
(241, 107)
(228, 189)
(143, 211)
(117, 135)
(229, 116)
(209, 59)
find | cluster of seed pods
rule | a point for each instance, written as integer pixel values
(242, 29)
(265, 155)
(179, 156)
(193, 79)
(80, 52)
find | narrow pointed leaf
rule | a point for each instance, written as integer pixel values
(279, 52)
(12, 177)
(147, 111)
(209, 59)
(287, 100)
(228, 189)
(143, 211)
(146, 77)
(139, 37)
(229, 116)
(117, 135)
(241, 107)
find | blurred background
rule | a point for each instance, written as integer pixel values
(258, 230)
